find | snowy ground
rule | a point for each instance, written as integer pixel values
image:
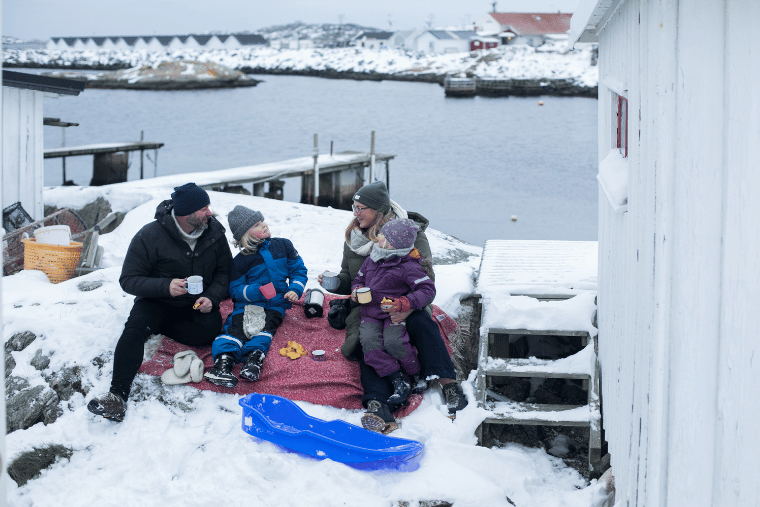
(180, 445)
(550, 61)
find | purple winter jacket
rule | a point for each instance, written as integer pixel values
(392, 278)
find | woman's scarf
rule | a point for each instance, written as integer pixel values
(359, 243)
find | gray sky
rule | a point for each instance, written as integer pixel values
(41, 19)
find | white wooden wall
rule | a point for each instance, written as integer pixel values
(22, 151)
(679, 284)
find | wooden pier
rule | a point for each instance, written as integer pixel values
(459, 86)
(110, 161)
(340, 175)
(93, 149)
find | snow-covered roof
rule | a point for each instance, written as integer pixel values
(590, 17)
(533, 23)
(453, 34)
(374, 35)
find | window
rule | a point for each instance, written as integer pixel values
(613, 170)
(621, 131)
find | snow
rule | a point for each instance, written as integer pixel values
(523, 312)
(550, 61)
(613, 177)
(180, 445)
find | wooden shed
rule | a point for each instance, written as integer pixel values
(679, 243)
(22, 174)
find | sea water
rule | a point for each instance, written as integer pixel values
(469, 165)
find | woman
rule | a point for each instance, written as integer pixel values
(372, 209)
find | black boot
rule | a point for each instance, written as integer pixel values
(252, 364)
(455, 398)
(221, 373)
(378, 417)
(109, 405)
(401, 389)
(419, 384)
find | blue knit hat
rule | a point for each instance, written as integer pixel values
(188, 199)
(400, 233)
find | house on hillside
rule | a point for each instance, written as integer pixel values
(293, 42)
(533, 28)
(452, 41)
(22, 175)
(679, 243)
(404, 39)
(372, 40)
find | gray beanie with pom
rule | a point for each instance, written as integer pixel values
(241, 219)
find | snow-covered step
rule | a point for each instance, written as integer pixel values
(540, 414)
(577, 366)
(556, 318)
(512, 368)
(537, 267)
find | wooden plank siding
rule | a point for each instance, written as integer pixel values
(679, 277)
(22, 159)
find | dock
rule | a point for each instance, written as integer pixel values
(94, 149)
(340, 175)
(110, 162)
(459, 86)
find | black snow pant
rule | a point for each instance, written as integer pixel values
(431, 350)
(152, 316)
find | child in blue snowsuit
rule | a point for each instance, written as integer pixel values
(269, 273)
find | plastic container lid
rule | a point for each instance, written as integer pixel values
(53, 235)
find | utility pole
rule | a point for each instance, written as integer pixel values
(340, 28)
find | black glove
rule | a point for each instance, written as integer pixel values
(339, 309)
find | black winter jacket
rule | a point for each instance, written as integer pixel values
(158, 254)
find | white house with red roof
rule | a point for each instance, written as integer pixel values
(532, 28)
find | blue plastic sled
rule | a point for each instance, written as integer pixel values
(282, 422)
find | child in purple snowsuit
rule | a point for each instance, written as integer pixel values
(393, 270)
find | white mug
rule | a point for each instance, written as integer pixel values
(195, 284)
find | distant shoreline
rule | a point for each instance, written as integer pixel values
(520, 87)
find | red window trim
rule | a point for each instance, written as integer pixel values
(622, 124)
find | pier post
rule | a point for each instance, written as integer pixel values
(372, 159)
(317, 182)
(63, 159)
(109, 168)
(142, 138)
(275, 190)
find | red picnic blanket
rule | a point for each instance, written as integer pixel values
(334, 381)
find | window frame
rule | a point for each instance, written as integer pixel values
(621, 124)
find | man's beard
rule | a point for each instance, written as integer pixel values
(198, 222)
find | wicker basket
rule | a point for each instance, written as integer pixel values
(58, 262)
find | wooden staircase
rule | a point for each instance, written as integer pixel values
(495, 363)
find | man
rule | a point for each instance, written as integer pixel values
(184, 240)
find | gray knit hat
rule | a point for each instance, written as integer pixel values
(375, 195)
(241, 219)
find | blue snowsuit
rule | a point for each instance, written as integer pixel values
(275, 261)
